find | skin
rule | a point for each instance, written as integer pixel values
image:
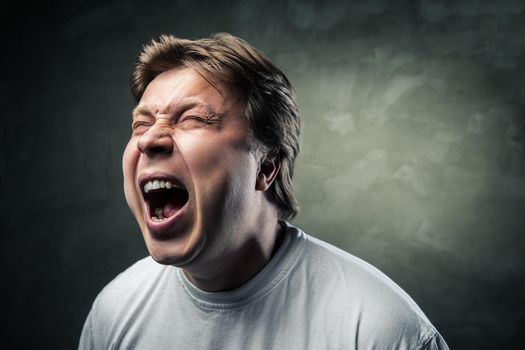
(196, 132)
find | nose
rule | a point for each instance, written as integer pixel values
(156, 141)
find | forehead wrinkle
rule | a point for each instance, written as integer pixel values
(208, 80)
(189, 98)
(192, 102)
(204, 83)
(176, 100)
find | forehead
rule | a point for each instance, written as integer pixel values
(177, 86)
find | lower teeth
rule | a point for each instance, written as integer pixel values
(159, 214)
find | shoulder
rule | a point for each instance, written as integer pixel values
(344, 268)
(119, 301)
(138, 274)
(364, 299)
(129, 290)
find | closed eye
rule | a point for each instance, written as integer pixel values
(140, 125)
(195, 118)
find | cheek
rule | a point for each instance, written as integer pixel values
(220, 168)
(206, 152)
(129, 166)
(205, 157)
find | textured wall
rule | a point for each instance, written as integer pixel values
(413, 148)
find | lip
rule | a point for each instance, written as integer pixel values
(143, 179)
(173, 226)
(169, 228)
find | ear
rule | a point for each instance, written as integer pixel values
(268, 170)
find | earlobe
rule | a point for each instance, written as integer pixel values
(268, 170)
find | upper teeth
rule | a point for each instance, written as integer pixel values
(156, 184)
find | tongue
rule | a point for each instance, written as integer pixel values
(170, 208)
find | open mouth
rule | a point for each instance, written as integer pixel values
(164, 198)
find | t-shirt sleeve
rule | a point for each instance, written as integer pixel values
(436, 342)
(87, 341)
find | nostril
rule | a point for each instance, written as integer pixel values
(157, 149)
(154, 144)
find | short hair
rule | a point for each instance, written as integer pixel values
(269, 99)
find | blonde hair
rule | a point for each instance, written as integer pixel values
(268, 97)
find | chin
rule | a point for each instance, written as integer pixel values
(180, 254)
(165, 259)
(168, 258)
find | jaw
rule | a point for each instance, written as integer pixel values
(189, 240)
(179, 252)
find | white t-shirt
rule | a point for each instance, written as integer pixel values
(311, 295)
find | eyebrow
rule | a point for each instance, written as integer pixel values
(142, 110)
(188, 103)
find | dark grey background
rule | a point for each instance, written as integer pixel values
(412, 148)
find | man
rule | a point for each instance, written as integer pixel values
(208, 176)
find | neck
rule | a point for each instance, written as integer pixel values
(232, 270)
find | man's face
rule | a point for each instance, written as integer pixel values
(189, 172)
